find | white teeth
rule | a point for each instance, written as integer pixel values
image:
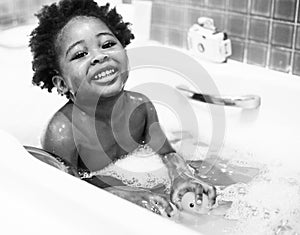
(104, 74)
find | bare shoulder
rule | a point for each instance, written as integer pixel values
(138, 98)
(58, 135)
(140, 102)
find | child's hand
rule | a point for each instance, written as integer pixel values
(154, 202)
(147, 199)
(187, 183)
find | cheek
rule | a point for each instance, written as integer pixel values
(120, 56)
(75, 75)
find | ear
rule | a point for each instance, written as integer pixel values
(60, 84)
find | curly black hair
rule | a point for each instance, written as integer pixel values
(52, 19)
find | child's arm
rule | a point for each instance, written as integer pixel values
(183, 181)
(181, 177)
(58, 139)
(145, 198)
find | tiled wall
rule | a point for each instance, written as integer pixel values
(16, 12)
(263, 32)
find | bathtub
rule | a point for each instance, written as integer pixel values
(34, 196)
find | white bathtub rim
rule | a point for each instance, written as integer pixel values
(40, 176)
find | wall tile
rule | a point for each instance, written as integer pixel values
(196, 3)
(4, 9)
(259, 30)
(238, 5)
(236, 25)
(282, 34)
(285, 10)
(6, 21)
(257, 54)
(175, 2)
(172, 18)
(185, 33)
(218, 4)
(175, 37)
(193, 14)
(298, 38)
(280, 59)
(159, 13)
(219, 20)
(158, 33)
(261, 7)
(238, 49)
(38, 2)
(296, 66)
(175, 16)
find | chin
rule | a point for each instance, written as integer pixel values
(111, 93)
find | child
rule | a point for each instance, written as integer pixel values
(78, 47)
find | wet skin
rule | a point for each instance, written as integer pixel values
(102, 121)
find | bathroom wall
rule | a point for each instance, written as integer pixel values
(263, 32)
(18, 12)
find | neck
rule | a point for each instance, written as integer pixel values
(103, 108)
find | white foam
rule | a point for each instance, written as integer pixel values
(141, 168)
(270, 204)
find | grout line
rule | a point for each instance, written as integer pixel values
(247, 32)
(294, 37)
(226, 16)
(270, 35)
(186, 25)
(249, 16)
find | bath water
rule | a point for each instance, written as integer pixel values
(252, 198)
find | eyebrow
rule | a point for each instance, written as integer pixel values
(81, 41)
(73, 45)
(105, 33)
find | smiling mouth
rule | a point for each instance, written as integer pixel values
(103, 75)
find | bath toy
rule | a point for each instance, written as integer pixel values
(188, 204)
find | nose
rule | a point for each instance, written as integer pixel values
(99, 58)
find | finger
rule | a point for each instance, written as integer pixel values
(163, 205)
(209, 190)
(212, 194)
(198, 194)
(170, 210)
(151, 206)
(177, 194)
(144, 204)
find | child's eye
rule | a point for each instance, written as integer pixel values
(108, 44)
(79, 55)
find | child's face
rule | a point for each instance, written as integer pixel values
(92, 58)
